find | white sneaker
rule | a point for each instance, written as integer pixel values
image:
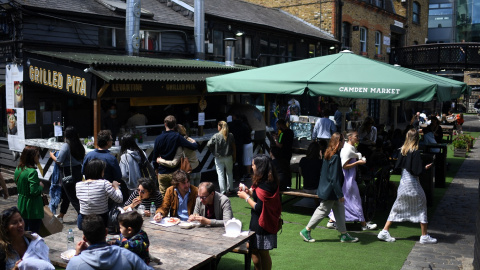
(369, 226)
(332, 225)
(427, 239)
(385, 236)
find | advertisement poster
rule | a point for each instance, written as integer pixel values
(15, 110)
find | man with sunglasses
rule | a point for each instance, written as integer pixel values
(211, 207)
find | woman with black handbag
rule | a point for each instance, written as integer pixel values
(70, 159)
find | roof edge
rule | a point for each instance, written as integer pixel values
(307, 23)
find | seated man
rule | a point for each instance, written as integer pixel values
(98, 254)
(179, 198)
(211, 207)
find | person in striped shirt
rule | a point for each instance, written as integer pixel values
(93, 193)
(145, 194)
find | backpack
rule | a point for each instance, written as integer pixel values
(147, 171)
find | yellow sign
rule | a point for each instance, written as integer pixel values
(127, 87)
(31, 117)
(52, 78)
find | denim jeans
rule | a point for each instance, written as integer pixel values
(224, 166)
(323, 210)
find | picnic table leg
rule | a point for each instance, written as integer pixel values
(248, 259)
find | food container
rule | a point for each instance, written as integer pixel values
(67, 255)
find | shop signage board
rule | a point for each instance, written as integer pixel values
(15, 107)
(152, 89)
(61, 78)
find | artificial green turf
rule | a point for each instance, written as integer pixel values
(328, 252)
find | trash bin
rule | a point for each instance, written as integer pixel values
(440, 163)
(426, 178)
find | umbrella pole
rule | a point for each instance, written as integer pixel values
(395, 104)
(344, 111)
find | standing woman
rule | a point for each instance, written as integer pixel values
(350, 159)
(264, 198)
(330, 191)
(30, 189)
(411, 203)
(70, 157)
(130, 159)
(222, 146)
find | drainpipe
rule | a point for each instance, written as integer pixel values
(132, 27)
(199, 28)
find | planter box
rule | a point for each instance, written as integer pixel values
(459, 152)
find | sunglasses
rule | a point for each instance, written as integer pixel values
(9, 212)
(142, 191)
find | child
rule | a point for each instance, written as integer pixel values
(460, 122)
(132, 236)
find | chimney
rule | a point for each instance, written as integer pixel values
(132, 26)
(199, 24)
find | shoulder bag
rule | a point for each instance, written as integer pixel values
(185, 164)
(67, 180)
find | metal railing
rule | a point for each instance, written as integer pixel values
(438, 56)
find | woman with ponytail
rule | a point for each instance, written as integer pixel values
(222, 146)
(330, 192)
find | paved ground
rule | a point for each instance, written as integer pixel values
(453, 223)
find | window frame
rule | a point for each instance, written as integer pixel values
(416, 13)
(363, 39)
(378, 42)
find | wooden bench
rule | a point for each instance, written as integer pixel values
(298, 193)
(242, 249)
(447, 131)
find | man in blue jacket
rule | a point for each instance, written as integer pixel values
(100, 255)
(165, 146)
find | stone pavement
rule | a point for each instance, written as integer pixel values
(453, 223)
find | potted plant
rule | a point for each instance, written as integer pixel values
(459, 147)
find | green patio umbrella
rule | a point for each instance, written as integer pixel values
(341, 75)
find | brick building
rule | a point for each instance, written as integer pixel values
(368, 28)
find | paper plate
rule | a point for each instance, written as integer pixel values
(186, 225)
(67, 255)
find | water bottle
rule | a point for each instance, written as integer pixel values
(153, 209)
(141, 209)
(70, 240)
(117, 143)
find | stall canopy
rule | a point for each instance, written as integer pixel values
(341, 75)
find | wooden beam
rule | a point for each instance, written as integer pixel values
(97, 112)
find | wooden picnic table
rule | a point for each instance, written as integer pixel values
(176, 248)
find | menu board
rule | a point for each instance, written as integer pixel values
(302, 130)
(15, 107)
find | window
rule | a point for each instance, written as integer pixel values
(378, 42)
(311, 50)
(440, 15)
(150, 41)
(217, 43)
(416, 12)
(346, 35)
(363, 39)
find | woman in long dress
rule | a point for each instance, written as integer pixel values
(350, 159)
(411, 203)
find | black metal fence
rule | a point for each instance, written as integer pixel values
(438, 56)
